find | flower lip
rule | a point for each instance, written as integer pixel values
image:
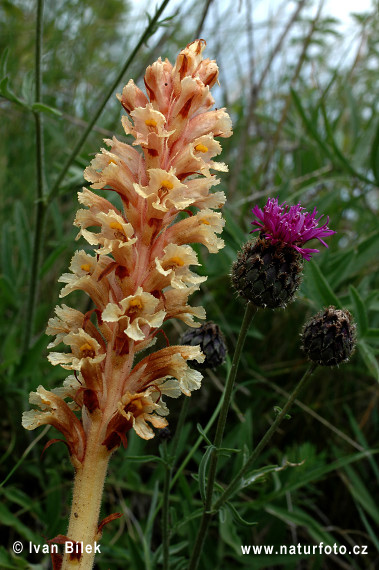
(291, 225)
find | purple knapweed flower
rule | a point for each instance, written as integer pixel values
(291, 225)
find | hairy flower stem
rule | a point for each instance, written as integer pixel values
(196, 553)
(236, 482)
(86, 500)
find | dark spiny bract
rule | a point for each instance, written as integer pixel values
(212, 343)
(267, 274)
(329, 337)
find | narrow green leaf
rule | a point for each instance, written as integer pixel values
(174, 549)
(369, 528)
(10, 520)
(203, 469)
(374, 155)
(203, 434)
(28, 88)
(7, 259)
(318, 285)
(359, 491)
(301, 518)
(315, 474)
(144, 458)
(367, 251)
(49, 262)
(9, 563)
(360, 312)
(341, 267)
(4, 63)
(309, 124)
(151, 516)
(233, 229)
(228, 531)
(226, 451)
(344, 161)
(23, 233)
(33, 355)
(238, 518)
(369, 358)
(8, 291)
(7, 93)
(362, 440)
(372, 333)
(42, 108)
(194, 515)
(256, 474)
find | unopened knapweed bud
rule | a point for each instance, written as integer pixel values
(267, 274)
(211, 342)
(329, 337)
(165, 434)
(268, 271)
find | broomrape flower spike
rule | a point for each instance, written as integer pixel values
(268, 270)
(138, 276)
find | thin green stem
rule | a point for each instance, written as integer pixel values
(194, 448)
(40, 208)
(149, 30)
(165, 510)
(236, 482)
(179, 427)
(192, 451)
(201, 535)
(170, 464)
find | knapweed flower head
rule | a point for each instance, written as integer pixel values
(211, 341)
(268, 270)
(138, 275)
(329, 337)
(291, 225)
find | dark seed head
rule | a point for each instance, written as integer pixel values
(267, 274)
(164, 434)
(329, 337)
(212, 343)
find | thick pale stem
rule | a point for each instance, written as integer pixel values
(86, 502)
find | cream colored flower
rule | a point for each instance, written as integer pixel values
(174, 267)
(168, 363)
(175, 302)
(84, 349)
(201, 228)
(164, 192)
(115, 232)
(70, 388)
(55, 411)
(195, 158)
(139, 409)
(134, 312)
(202, 198)
(86, 275)
(67, 320)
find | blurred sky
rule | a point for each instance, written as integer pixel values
(241, 34)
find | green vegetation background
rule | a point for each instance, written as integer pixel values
(304, 105)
